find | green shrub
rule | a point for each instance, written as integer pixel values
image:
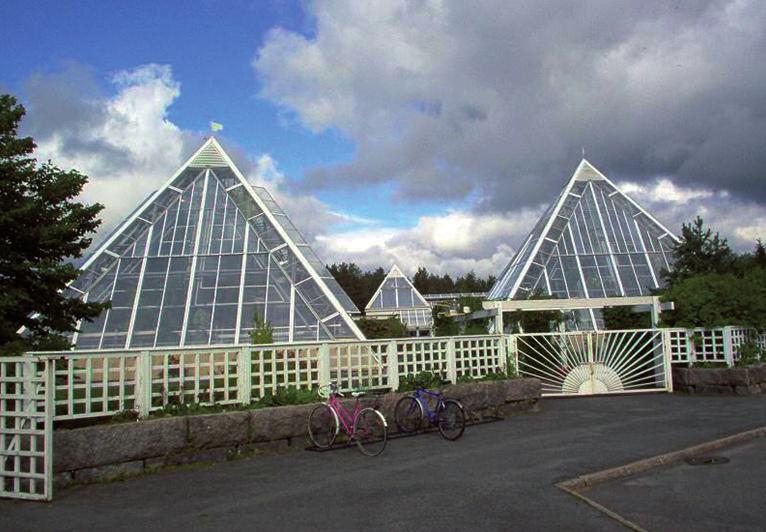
(750, 353)
(262, 332)
(424, 379)
(288, 396)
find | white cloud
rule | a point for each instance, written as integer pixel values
(446, 97)
(125, 142)
(454, 243)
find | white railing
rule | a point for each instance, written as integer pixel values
(104, 383)
(719, 345)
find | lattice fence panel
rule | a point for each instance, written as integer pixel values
(94, 384)
(359, 365)
(26, 469)
(196, 376)
(277, 367)
(478, 356)
(429, 354)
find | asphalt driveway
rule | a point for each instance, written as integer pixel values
(499, 476)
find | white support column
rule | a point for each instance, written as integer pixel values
(656, 311)
(324, 364)
(244, 375)
(392, 366)
(498, 320)
(143, 390)
(451, 361)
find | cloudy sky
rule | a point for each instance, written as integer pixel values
(424, 132)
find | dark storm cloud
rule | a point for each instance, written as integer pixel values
(499, 98)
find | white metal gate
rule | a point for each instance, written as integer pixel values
(26, 424)
(594, 362)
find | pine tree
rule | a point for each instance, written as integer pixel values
(700, 251)
(40, 228)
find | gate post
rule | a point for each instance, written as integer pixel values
(502, 350)
(49, 381)
(513, 346)
(668, 356)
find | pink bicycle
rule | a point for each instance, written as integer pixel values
(366, 426)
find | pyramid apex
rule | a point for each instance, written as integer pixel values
(211, 153)
(395, 271)
(587, 172)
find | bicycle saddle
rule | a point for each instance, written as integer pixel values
(357, 394)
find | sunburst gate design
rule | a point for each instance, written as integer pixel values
(592, 242)
(593, 362)
(200, 259)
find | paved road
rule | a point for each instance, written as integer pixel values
(703, 498)
(499, 476)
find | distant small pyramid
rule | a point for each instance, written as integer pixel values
(592, 242)
(396, 295)
(200, 259)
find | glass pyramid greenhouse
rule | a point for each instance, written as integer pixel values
(200, 260)
(592, 242)
(396, 296)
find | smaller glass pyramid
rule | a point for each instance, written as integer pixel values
(592, 242)
(396, 296)
(200, 260)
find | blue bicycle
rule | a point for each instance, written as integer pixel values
(448, 415)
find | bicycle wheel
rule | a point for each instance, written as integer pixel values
(322, 426)
(451, 419)
(370, 431)
(408, 414)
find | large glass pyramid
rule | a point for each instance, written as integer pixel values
(396, 296)
(200, 259)
(592, 242)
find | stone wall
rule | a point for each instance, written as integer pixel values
(734, 381)
(109, 452)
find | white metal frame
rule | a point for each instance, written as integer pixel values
(584, 172)
(211, 153)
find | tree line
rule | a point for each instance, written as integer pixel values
(361, 285)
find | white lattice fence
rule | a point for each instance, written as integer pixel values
(205, 376)
(424, 354)
(477, 356)
(720, 345)
(280, 366)
(26, 401)
(93, 384)
(359, 365)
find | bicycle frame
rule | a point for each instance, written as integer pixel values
(345, 418)
(421, 395)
